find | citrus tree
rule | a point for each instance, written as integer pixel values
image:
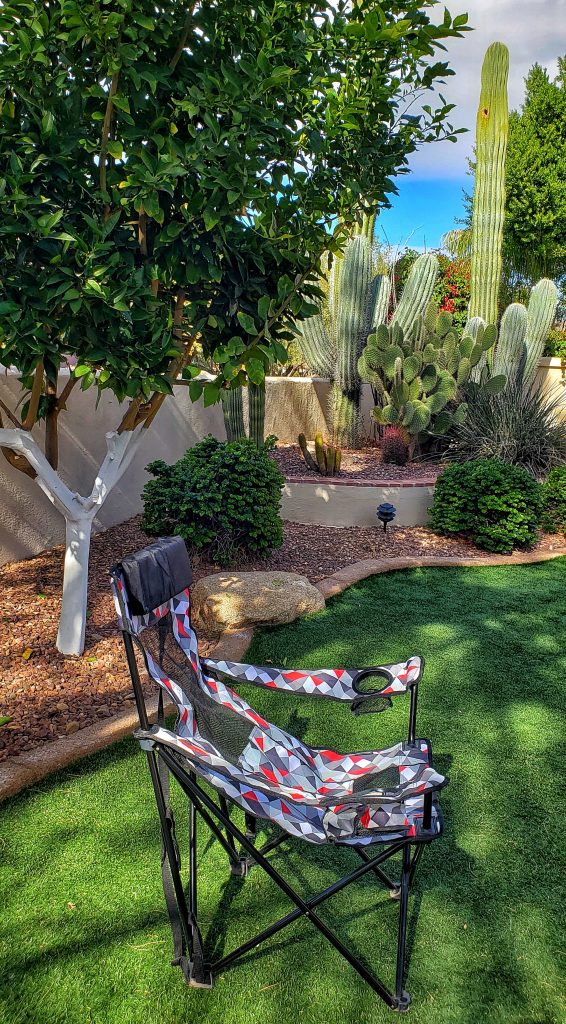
(171, 173)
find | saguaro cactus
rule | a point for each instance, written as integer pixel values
(488, 208)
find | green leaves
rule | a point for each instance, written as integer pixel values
(209, 186)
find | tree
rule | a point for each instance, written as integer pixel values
(534, 243)
(170, 173)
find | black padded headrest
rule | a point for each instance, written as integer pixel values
(155, 574)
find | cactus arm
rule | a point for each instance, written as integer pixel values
(488, 208)
(380, 297)
(541, 311)
(511, 350)
(315, 344)
(257, 412)
(306, 454)
(233, 412)
(345, 415)
(417, 293)
(351, 320)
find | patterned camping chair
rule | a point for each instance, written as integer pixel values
(379, 803)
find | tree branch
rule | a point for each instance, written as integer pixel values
(62, 400)
(183, 39)
(106, 126)
(13, 419)
(36, 391)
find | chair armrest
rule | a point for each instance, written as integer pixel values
(336, 683)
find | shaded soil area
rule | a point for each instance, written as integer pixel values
(357, 464)
(48, 696)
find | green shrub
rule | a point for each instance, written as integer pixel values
(495, 505)
(556, 343)
(221, 497)
(554, 501)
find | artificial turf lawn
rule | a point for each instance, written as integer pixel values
(84, 936)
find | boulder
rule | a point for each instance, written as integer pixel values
(232, 599)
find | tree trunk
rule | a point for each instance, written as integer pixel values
(79, 512)
(72, 624)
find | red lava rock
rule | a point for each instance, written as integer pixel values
(357, 464)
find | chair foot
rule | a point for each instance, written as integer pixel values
(402, 1003)
(196, 977)
(240, 868)
(395, 894)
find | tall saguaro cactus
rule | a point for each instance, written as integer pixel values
(488, 211)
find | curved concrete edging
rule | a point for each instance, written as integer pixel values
(19, 772)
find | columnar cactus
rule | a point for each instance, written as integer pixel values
(357, 300)
(233, 410)
(256, 412)
(488, 208)
(418, 380)
(523, 333)
(541, 310)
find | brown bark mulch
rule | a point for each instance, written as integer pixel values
(49, 696)
(357, 464)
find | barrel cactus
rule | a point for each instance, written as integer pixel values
(420, 381)
(357, 299)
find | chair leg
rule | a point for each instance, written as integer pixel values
(403, 998)
(196, 971)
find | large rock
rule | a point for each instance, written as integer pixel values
(243, 598)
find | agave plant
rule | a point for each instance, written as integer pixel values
(522, 425)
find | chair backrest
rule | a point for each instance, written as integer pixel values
(152, 594)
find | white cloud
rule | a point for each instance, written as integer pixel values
(534, 31)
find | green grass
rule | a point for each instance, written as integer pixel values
(83, 932)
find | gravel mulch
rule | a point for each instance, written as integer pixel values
(49, 696)
(357, 464)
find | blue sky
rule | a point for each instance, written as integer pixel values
(423, 211)
(430, 198)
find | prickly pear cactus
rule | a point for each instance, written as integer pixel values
(420, 383)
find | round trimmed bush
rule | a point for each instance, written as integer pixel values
(554, 498)
(495, 505)
(222, 497)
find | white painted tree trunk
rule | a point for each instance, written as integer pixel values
(79, 512)
(72, 622)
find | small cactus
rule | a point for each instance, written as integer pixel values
(327, 459)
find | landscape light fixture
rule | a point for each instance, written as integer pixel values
(386, 514)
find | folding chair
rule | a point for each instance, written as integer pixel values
(379, 803)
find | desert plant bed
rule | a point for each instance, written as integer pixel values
(364, 463)
(48, 696)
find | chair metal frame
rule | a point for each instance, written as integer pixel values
(189, 947)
